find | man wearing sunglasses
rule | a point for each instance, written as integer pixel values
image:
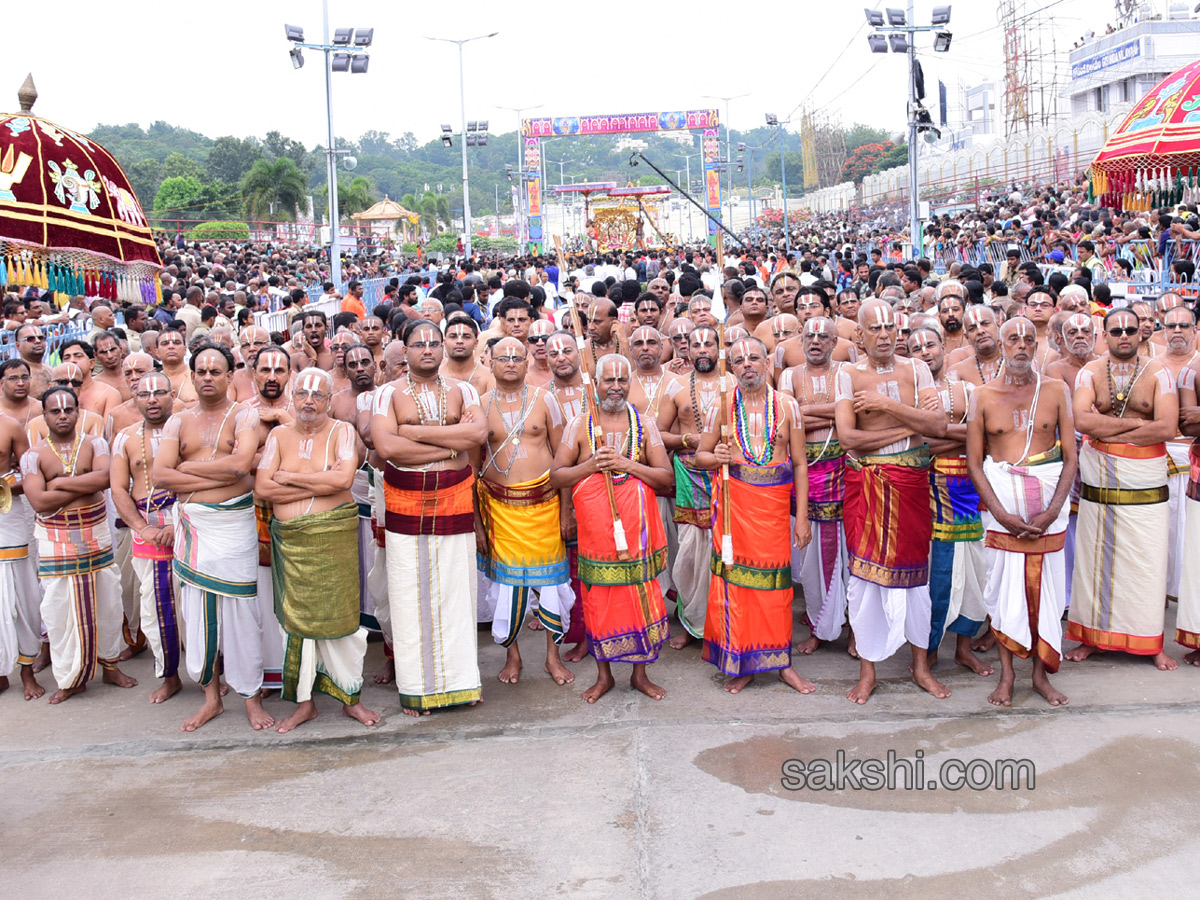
(31, 347)
(1129, 407)
(539, 374)
(1179, 334)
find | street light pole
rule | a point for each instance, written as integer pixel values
(728, 149)
(524, 225)
(462, 102)
(335, 244)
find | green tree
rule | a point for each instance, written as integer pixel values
(276, 146)
(176, 165)
(858, 135)
(178, 196)
(230, 158)
(274, 189)
(354, 196)
(145, 176)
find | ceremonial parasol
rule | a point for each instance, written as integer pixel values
(1153, 157)
(69, 220)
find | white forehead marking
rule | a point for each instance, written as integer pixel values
(976, 315)
(645, 331)
(59, 401)
(311, 382)
(1022, 329)
(558, 343)
(816, 326)
(883, 315)
(1079, 320)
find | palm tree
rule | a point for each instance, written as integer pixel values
(352, 198)
(275, 188)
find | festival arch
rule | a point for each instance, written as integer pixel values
(706, 121)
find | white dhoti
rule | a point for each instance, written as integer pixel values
(20, 594)
(333, 667)
(1027, 578)
(377, 571)
(81, 606)
(216, 560)
(1187, 623)
(510, 604)
(666, 509)
(1177, 484)
(691, 569)
(883, 618)
(823, 577)
(360, 491)
(1121, 548)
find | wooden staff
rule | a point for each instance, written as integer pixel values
(726, 534)
(618, 526)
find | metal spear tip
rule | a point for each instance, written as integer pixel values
(28, 94)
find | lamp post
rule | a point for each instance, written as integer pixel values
(347, 53)
(728, 154)
(521, 232)
(773, 119)
(462, 101)
(900, 32)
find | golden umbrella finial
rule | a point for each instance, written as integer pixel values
(28, 94)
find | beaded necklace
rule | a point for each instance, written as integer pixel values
(1126, 392)
(699, 413)
(995, 375)
(633, 439)
(743, 428)
(425, 412)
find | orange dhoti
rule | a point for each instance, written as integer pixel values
(624, 614)
(748, 627)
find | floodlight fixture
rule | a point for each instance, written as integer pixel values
(294, 34)
(899, 43)
(941, 42)
(483, 124)
(472, 126)
(878, 43)
(447, 141)
(343, 36)
(741, 147)
(896, 17)
(772, 119)
(874, 18)
(941, 15)
(359, 63)
(363, 37)
(297, 58)
(446, 129)
(341, 62)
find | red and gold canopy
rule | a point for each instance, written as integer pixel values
(69, 220)
(1153, 157)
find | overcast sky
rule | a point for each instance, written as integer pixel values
(222, 67)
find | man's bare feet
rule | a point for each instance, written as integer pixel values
(604, 683)
(117, 677)
(965, 657)
(789, 677)
(387, 673)
(852, 649)
(259, 717)
(165, 691)
(1193, 658)
(862, 691)
(305, 712)
(1002, 695)
(511, 673)
(1165, 663)
(132, 650)
(43, 658)
(555, 668)
(360, 713)
(535, 624)
(808, 646)
(33, 690)
(416, 712)
(212, 708)
(1042, 685)
(63, 693)
(984, 642)
(640, 681)
(679, 640)
(924, 679)
(576, 653)
(739, 684)
(1082, 652)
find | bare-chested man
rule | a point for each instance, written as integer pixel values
(782, 328)
(147, 511)
(603, 336)
(883, 405)
(625, 617)
(110, 356)
(87, 422)
(957, 560)
(64, 477)
(1021, 457)
(810, 305)
(951, 308)
(748, 625)
(133, 369)
(20, 595)
(93, 395)
(677, 334)
(342, 341)
(539, 373)
(1038, 307)
(980, 360)
(172, 350)
(681, 420)
(821, 568)
(424, 427)
(206, 456)
(1128, 406)
(305, 472)
(521, 529)
(1179, 326)
(16, 401)
(372, 332)
(250, 341)
(308, 347)
(31, 347)
(784, 288)
(461, 362)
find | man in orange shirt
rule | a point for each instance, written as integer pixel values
(353, 300)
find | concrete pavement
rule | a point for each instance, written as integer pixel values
(536, 794)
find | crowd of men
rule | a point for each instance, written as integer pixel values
(555, 448)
